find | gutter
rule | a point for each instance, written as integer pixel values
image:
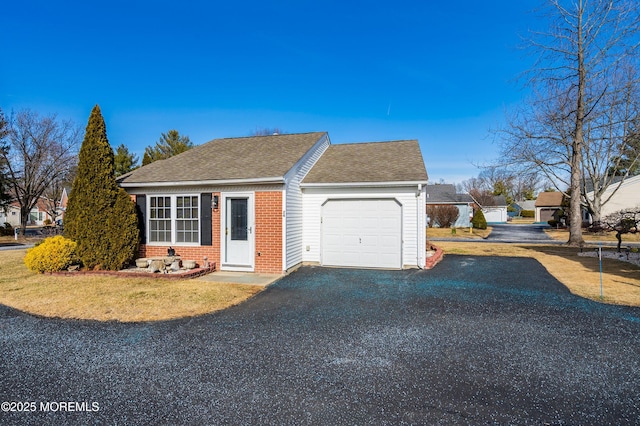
(360, 184)
(247, 181)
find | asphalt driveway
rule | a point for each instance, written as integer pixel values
(469, 342)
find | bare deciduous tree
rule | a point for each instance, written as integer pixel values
(4, 181)
(41, 152)
(267, 131)
(584, 102)
(443, 215)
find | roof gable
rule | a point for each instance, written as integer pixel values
(256, 157)
(372, 162)
(549, 199)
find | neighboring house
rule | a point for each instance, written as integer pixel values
(37, 216)
(548, 206)
(39, 213)
(627, 196)
(10, 214)
(497, 213)
(523, 205)
(62, 205)
(270, 203)
(446, 195)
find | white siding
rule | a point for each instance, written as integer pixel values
(413, 224)
(495, 214)
(626, 197)
(292, 200)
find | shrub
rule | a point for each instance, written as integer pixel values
(443, 216)
(47, 222)
(478, 221)
(528, 213)
(123, 236)
(7, 229)
(53, 254)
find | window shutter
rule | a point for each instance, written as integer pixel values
(205, 219)
(141, 209)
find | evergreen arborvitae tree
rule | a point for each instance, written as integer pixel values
(98, 218)
(478, 221)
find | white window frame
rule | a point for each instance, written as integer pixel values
(173, 220)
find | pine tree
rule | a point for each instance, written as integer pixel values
(169, 144)
(97, 219)
(125, 161)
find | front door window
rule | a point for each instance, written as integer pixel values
(238, 232)
(239, 219)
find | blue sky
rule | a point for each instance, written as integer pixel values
(440, 72)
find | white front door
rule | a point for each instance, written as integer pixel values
(238, 230)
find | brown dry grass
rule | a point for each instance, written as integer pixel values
(563, 235)
(107, 298)
(581, 275)
(459, 233)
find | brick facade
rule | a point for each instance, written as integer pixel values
(269, 232)
(268, 236)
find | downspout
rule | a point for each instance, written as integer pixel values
(418, 222)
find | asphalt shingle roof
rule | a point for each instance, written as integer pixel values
(396, 161)
(446, 193)
(229, 158)
(549, 199)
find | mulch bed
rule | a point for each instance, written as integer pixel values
(141, 273)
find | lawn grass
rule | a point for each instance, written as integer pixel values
(581, 275)
(459, 233)
(563, 235)
(108, 298)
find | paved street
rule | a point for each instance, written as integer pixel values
(519, 233)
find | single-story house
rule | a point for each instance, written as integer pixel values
(37, 216)
(496, 213)
(10, 214)
(548, 206)
(445, 194)
(523, 205)
(271, 203)
(627, 196)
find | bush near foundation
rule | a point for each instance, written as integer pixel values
(53, 254)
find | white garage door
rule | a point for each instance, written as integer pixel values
(362, 233)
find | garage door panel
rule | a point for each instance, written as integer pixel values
(362, 233)
(370, 222)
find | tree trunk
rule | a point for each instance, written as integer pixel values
(24, 219)
(575, 224)
(619, 237)
(596, 214)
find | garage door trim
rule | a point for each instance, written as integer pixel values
(353, 242)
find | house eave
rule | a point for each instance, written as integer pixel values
(218, 182)
(362, 184)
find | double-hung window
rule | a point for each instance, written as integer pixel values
(174, 219)
(187, 225)
(160, 219)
